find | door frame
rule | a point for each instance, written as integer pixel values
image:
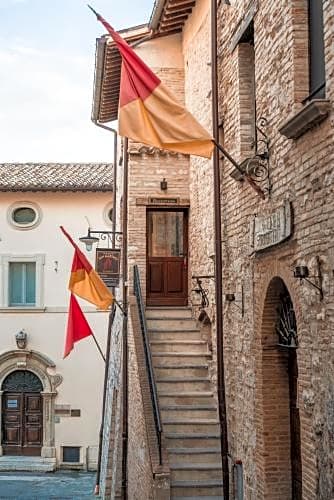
(170, 302)
(37, 363)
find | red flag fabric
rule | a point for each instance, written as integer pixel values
(77, 326)
(149, 113)
(84, 280)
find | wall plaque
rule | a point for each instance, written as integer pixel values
(269, 230)
(163, 201)
(107, 265)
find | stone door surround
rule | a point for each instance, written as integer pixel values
(42, 366)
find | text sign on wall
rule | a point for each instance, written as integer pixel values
(269, 230)
(107, 265)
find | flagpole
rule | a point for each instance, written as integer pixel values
(98, 346)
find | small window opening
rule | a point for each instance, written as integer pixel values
(317, 76)
(71, 454)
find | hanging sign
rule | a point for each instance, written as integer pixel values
(107, 265)
(271, 229)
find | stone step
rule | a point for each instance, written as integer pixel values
(166, 312)
(26, 464)
(188, 411)
(185, 397)
(171, 323)
(198, 471)
(192, 441)
(197, 488)
(190, 426)
(214, 497)
(175, 334)
(174, 358)
(179, 346)
(183, 384)
(186, 370)
(194, 455)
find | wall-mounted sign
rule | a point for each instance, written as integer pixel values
(271, 229)
(107, 265)
(163, 201)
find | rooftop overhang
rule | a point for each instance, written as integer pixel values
(168, 17)
(108, 74)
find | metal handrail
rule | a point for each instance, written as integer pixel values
(148, 357)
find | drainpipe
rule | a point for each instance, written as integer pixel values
(111, 314)
(218, 258)
(125, 322)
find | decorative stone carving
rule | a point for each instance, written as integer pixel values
(56, 380)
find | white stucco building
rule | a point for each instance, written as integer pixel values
(51, 407)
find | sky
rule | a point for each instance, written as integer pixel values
(47, 55)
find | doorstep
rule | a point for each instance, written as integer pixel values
(26, 464)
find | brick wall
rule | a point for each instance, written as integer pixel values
(301, 173)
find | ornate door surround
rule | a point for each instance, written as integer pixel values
(44, 368)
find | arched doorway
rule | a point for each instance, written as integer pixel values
(281, 454)
(22, 414)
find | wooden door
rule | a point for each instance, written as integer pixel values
(296, 459)
(167, 257)
(22, 423)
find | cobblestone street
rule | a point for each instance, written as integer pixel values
(59, 485)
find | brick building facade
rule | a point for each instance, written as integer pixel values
(276, 122)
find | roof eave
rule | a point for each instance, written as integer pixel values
(156, 14)
(98, 76)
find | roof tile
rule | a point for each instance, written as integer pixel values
(56, 177)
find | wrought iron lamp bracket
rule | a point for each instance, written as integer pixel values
(302, 273)
(230, 298)
(202, 292)
(107, 236)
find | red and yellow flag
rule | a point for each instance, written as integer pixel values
(77, 326)
(149, 113)
(84, 280)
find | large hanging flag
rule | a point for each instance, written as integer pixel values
(149, 113)
(84, 280)
(77, 326)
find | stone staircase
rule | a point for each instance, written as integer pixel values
(187, 404)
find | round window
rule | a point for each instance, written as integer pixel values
(24, 216)
(107, 214)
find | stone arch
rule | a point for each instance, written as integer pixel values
(273, 399)
(44, 368)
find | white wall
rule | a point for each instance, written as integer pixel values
(83, 369)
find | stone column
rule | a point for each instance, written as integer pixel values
(48, 448)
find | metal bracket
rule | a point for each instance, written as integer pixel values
(203, 293)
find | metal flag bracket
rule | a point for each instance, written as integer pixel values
(255, 169)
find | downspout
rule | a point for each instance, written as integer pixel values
(111, 314)
(218, 257)
(125, 322)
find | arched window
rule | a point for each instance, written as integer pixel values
(22, 381)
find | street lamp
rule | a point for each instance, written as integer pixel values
(89, 240)
(92, 237)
